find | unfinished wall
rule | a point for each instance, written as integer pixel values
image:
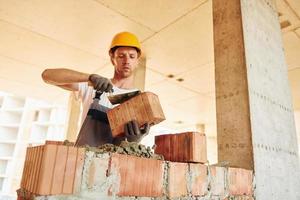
(253, 97)
(119, 176)
(57, 170)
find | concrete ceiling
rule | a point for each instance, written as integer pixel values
(177, 39)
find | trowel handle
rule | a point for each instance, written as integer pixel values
(98, 94)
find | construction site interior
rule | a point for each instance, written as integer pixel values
(220, 84)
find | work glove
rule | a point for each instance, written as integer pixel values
(100, 83)
(134, 133)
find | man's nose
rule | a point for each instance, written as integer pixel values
(126, 59)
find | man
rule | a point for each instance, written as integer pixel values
(124, 53)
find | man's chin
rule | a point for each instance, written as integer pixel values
(126, 74)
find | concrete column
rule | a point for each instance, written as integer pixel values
(233, 115)
(255, 121)
(74, 113)
(140, 74)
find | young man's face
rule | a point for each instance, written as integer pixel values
(125, 60)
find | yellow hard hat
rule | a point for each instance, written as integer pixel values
(125, 39)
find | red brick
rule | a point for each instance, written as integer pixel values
(59, 169)
(28, 165)
(155, 177)
(182, 147)
(79, 169)
(240, 181)
(217, 180)
(184, 141)
(25, 169)
(52, 169)
(46, 171)
(30, 168)
(38, 164)
(177, 180)
(163, 146)
(143, 108)
(54, 142)
(118, 167)
(199, 179)
(174, 154)
(159, 144)
(199, 147)
(130, 112)
(31, 177)
(141, 177)
(70, 171)
(153, 108)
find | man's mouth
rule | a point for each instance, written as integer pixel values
(126, 68)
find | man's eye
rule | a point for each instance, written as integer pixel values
(132, 56)
(121, 56)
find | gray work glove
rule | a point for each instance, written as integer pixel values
(132, 133)
(100, 83)
(135, 134)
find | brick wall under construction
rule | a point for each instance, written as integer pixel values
(60, 171)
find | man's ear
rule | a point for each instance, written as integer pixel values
(111, 58)
(139, 54)
(112, 61)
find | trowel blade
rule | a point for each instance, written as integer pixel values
(120, 98)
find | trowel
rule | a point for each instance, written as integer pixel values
(120, 98)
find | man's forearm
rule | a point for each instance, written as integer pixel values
(62, 76)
